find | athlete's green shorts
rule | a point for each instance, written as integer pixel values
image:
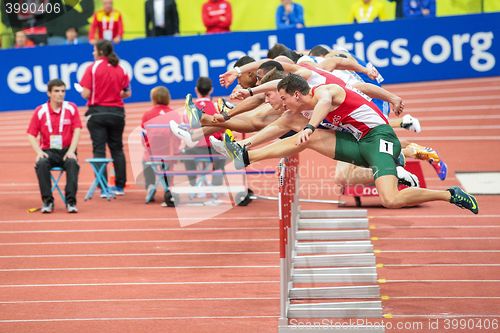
(378, 150)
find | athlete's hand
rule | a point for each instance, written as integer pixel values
(372, 73)
(69, 155)
(218, 118)
(41, 155)
(304, 136)
(227, 78)
(398, 106)
(240, 94)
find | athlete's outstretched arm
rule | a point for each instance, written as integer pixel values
(380, 93)
(333, 63)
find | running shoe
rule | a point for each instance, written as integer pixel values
(182, 134)
(71, 208)
(117, 190)
(463, 199)
(407, 178)
(193, 113)
(218, 146)
(441, 169)
(425, 153)
(47, 207)
(223, 105)
(411, 124)
(234, 151)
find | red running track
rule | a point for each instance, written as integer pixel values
(122, 266)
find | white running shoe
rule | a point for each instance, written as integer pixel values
(407, 178)
(411, 124)
(182, 134)
(218, 146)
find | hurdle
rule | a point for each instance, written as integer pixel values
(243, 197)
(331, 247)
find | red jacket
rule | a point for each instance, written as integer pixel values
(102, 22)
(217, 16)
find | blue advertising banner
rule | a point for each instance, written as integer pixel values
(403, 51)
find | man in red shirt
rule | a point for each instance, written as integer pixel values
(59, 126)
(217, 16)
(158, 139)
(108, 23)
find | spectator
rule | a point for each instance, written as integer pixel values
(159, 140)
(289, 15)
(71, 36)
(399, 8)
(59, 126)
(419, 8)
(162, 18)
(204, 102)
(105, 84)
(217, 16)
(108, 24)
(365, 11)
(22, 41)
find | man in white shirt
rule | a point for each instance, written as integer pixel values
(162, 18)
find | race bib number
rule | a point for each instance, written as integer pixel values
(386, 147)
(56, 142)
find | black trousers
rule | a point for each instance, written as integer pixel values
(70, 166)
(217, 164)
(107, 128)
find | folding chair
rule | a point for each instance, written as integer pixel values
(99, 166)
(55, 182)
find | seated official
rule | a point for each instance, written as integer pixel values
(59, 126)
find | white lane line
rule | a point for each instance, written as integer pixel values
(446, 316)
(435, 238)
(112, 284)
(457, 127)
(436, 251)
(134, 230)
(441, 265)
(421, 217)
(455, 117)
(410, 101)
(440, 83)
(133, 268)
(256, 240)
(169, 254)
(455, 138)
(137, 219)
(117, 300)
(389, 227)
(488, 107)
(134, 319)
(443, 297)
(438, 281)
(453, 91)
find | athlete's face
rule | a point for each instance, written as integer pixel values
(259, 75)
(57, 94)
(274, 99)
(290, 102)
(247, 80)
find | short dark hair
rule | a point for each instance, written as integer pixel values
(318, 51)
(243, 61)
(271, 64)
(281, 50)
(273, 74)
(292, 83)
(204, 85)
(55, 83)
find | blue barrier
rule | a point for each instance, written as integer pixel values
(403, 50)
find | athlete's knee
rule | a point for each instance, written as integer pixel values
(390, 201)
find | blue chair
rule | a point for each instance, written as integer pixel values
(99, 166)
(55, 182)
